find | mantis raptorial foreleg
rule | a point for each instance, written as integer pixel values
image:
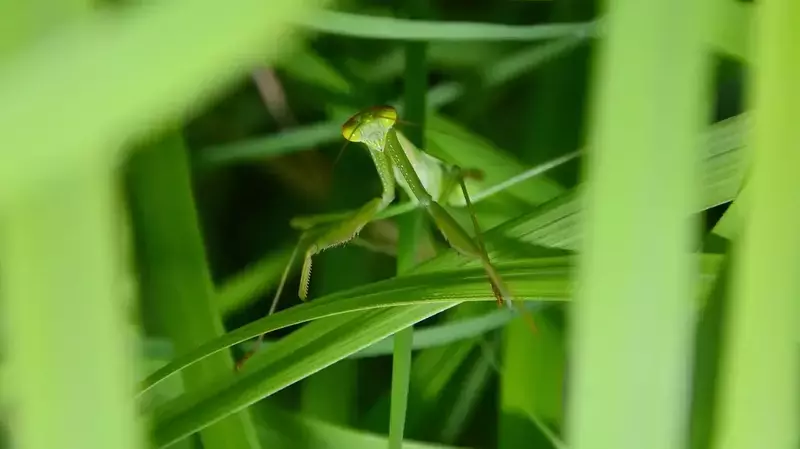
(344, 231)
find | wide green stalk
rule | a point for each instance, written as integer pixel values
(410, 227)
(68, 354)
(633, 314)
(411, 231)
(68, 349)
(176, 282)
(759, 396)
(533, 368)
(730, 33)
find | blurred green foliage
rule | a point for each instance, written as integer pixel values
(241, 133)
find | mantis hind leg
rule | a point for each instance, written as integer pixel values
(464, 244)
(475, 248)
(454, 233)
(527, 315)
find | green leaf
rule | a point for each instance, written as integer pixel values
(427, 337)
(171, 77)
(550, 223)
(375, 27)
(432, 371)
(453, 143)
(633, 313)
(467, 401)
(759, 371)
(533, 377)
(308, 136)
(305, 64)
(67, 364)
(175, 279)
(730, 34)
(709, 346)
(285, 429)
(251, 282)
(465, 284)
(302, 353)
(321, 343)
(557, 223)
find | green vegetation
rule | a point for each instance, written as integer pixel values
(157, 155)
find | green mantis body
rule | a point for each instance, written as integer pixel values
(393, 154)
(427, 181)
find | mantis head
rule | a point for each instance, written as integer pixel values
(370, 126)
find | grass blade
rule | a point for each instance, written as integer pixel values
(731, 30)
(471, 390)
(319, 344)
(759, 389)
(709, 346)
(532, 381)
(303, 432)
(374, 27)
(302, 353)
(550, 281)
(401, 374)
(175, 279)
(332, 394)
(256, 279)
(411, 229)
(304, 137)
(133, 44)
(430, 337)
(68, 354)
(632, 319)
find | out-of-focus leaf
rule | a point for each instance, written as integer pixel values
(760, 388)
(375, 27)
(284, 429)
(304, 137)
(94, 118)
(317, 345)
(707, 355)
(176, 281)
(533, 372)
(731, 31)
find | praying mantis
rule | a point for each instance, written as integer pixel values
(428, 182)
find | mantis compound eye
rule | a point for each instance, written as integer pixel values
(351, 128)
(385, 115)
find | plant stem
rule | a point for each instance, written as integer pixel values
(68, 347)
(758, 404)
(410, 230)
